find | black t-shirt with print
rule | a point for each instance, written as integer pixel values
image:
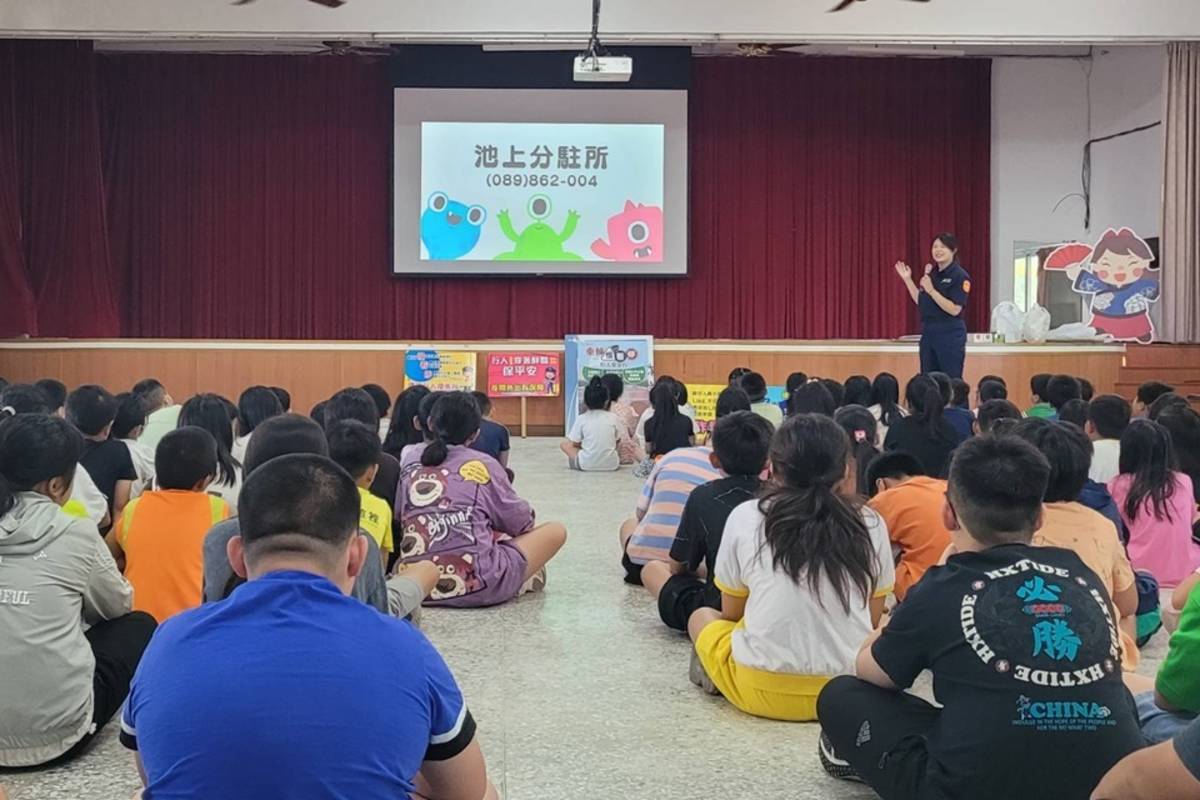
(1026, 659)
(107, 463)
(676, 433)
(698, 537)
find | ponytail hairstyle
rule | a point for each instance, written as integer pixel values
(885, 393)
(664, 401)
(454, 420)
(811, 531)
(859, 424)
(615, 385)
(595, 394)
(1148, 455)
(35, 448)
(926, 402)
(208, 411)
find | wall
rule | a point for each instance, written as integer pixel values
(1039, 127)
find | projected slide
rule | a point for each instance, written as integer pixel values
(558, 192)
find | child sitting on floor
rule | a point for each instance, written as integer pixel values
(859, 424)
(1041, 407)
(354, 447)
(1156, 504)
(992, 411)
(803, 573)
(493, 437)
(127, 427)
(458, 510)
(911, 506)
(592, 443)
(667, 428)
(159, 538)
(740, 443)
(1022, 649)
(755, 385)
(1108, 417)
(627, 446)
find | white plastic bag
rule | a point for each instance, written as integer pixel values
(1072, 332)
(1006, 321)
(1036, 324)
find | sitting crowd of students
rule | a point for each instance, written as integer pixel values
(175, 561)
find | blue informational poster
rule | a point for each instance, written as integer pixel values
(631, 357)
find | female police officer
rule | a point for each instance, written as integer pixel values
(941, 297)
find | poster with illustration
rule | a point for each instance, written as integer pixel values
(1119, 277)
(703, 399)
(523, 374)
(534, 192)
(440, 370)
(631, 357)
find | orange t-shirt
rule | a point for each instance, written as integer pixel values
(913, 513)
(162, 534)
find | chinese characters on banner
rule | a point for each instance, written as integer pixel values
(440, 370)
(631, 357)
(523, 374)
(703, 398)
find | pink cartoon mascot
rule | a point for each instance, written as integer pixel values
(636, 234)
(1116, 273)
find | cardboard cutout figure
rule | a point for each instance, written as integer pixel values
(1118, 277)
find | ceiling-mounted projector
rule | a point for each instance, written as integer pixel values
(606, 69)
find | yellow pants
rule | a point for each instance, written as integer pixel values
(773, 695)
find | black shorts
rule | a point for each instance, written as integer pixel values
(633, 572)
(680, 597)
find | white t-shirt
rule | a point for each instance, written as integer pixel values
(85, 492)
(143, 465)
(1106, 458)
(787, 627)
(228, 492)
(881, 429)
(597, 431)
(384, 424)
(238, 451)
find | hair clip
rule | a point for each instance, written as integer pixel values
(860, 436)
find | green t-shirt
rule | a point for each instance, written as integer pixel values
(1041, 411)
(1179, 676)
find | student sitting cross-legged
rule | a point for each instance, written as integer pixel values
(803, 572)
(290, 688)
(1023, 651)
(740, 443)
(355, 448)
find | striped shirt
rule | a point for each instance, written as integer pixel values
(661, 504)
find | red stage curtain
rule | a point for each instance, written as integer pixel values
(18, 310)
(250, 197)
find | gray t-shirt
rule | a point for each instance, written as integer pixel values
(1187, 747)
(219, 576)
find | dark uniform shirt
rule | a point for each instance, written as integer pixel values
(954, 284)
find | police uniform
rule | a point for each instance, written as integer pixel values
(944, 336)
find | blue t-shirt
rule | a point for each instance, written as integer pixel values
(954, 284)
(961, 420)
(492, 439)
(288, 689)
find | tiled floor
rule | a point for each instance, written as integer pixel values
(579, 692)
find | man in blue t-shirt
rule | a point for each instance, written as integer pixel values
(291, 688)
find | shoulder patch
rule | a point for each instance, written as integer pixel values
(966, 286)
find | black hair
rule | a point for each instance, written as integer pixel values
(351, 404)
(1109, 415)
(892, 464)
(1037, 385)
(1148, 455)
(1060, 389)
(996, 378)
(1163, 402)
(996, 487)
(383, 401)
(1003, 426)
(24, 398)
(1068, 452)
(353, 446)
(184, 457)
(131, 415)
(755, 385)
(1074, 411)
(298, 503)
(401, 430)
(483, 401)
(615, 385)
(944, 386)
(991, 412)
(960, 393)
(284, 396)
(424, 411)
(681, 393)
(811, 398)
(317, 413)
(735, 374)
(3, 383)
(811, 530)
(55, 391)
(836, 391)
(1086, 390)
(860, 425)
(91, 408)
(949, 240)
(152, 392)
(1183, 424)
(256, 405)
(35, 448)
(209, 411)
(662, 401)
(742, 441)
(731, 399)
(595, 395)
(885, 393)
(1150, 391)
(454, 420)
(927, 403)
(281, 435)
(991, 390)
(794, 381)
(857, 391)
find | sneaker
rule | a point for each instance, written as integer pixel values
(535, 584)
(835, 767)
(698, 676)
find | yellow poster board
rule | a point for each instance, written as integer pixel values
(440, 370)
(703, 398)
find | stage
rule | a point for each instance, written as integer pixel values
(313, 370)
